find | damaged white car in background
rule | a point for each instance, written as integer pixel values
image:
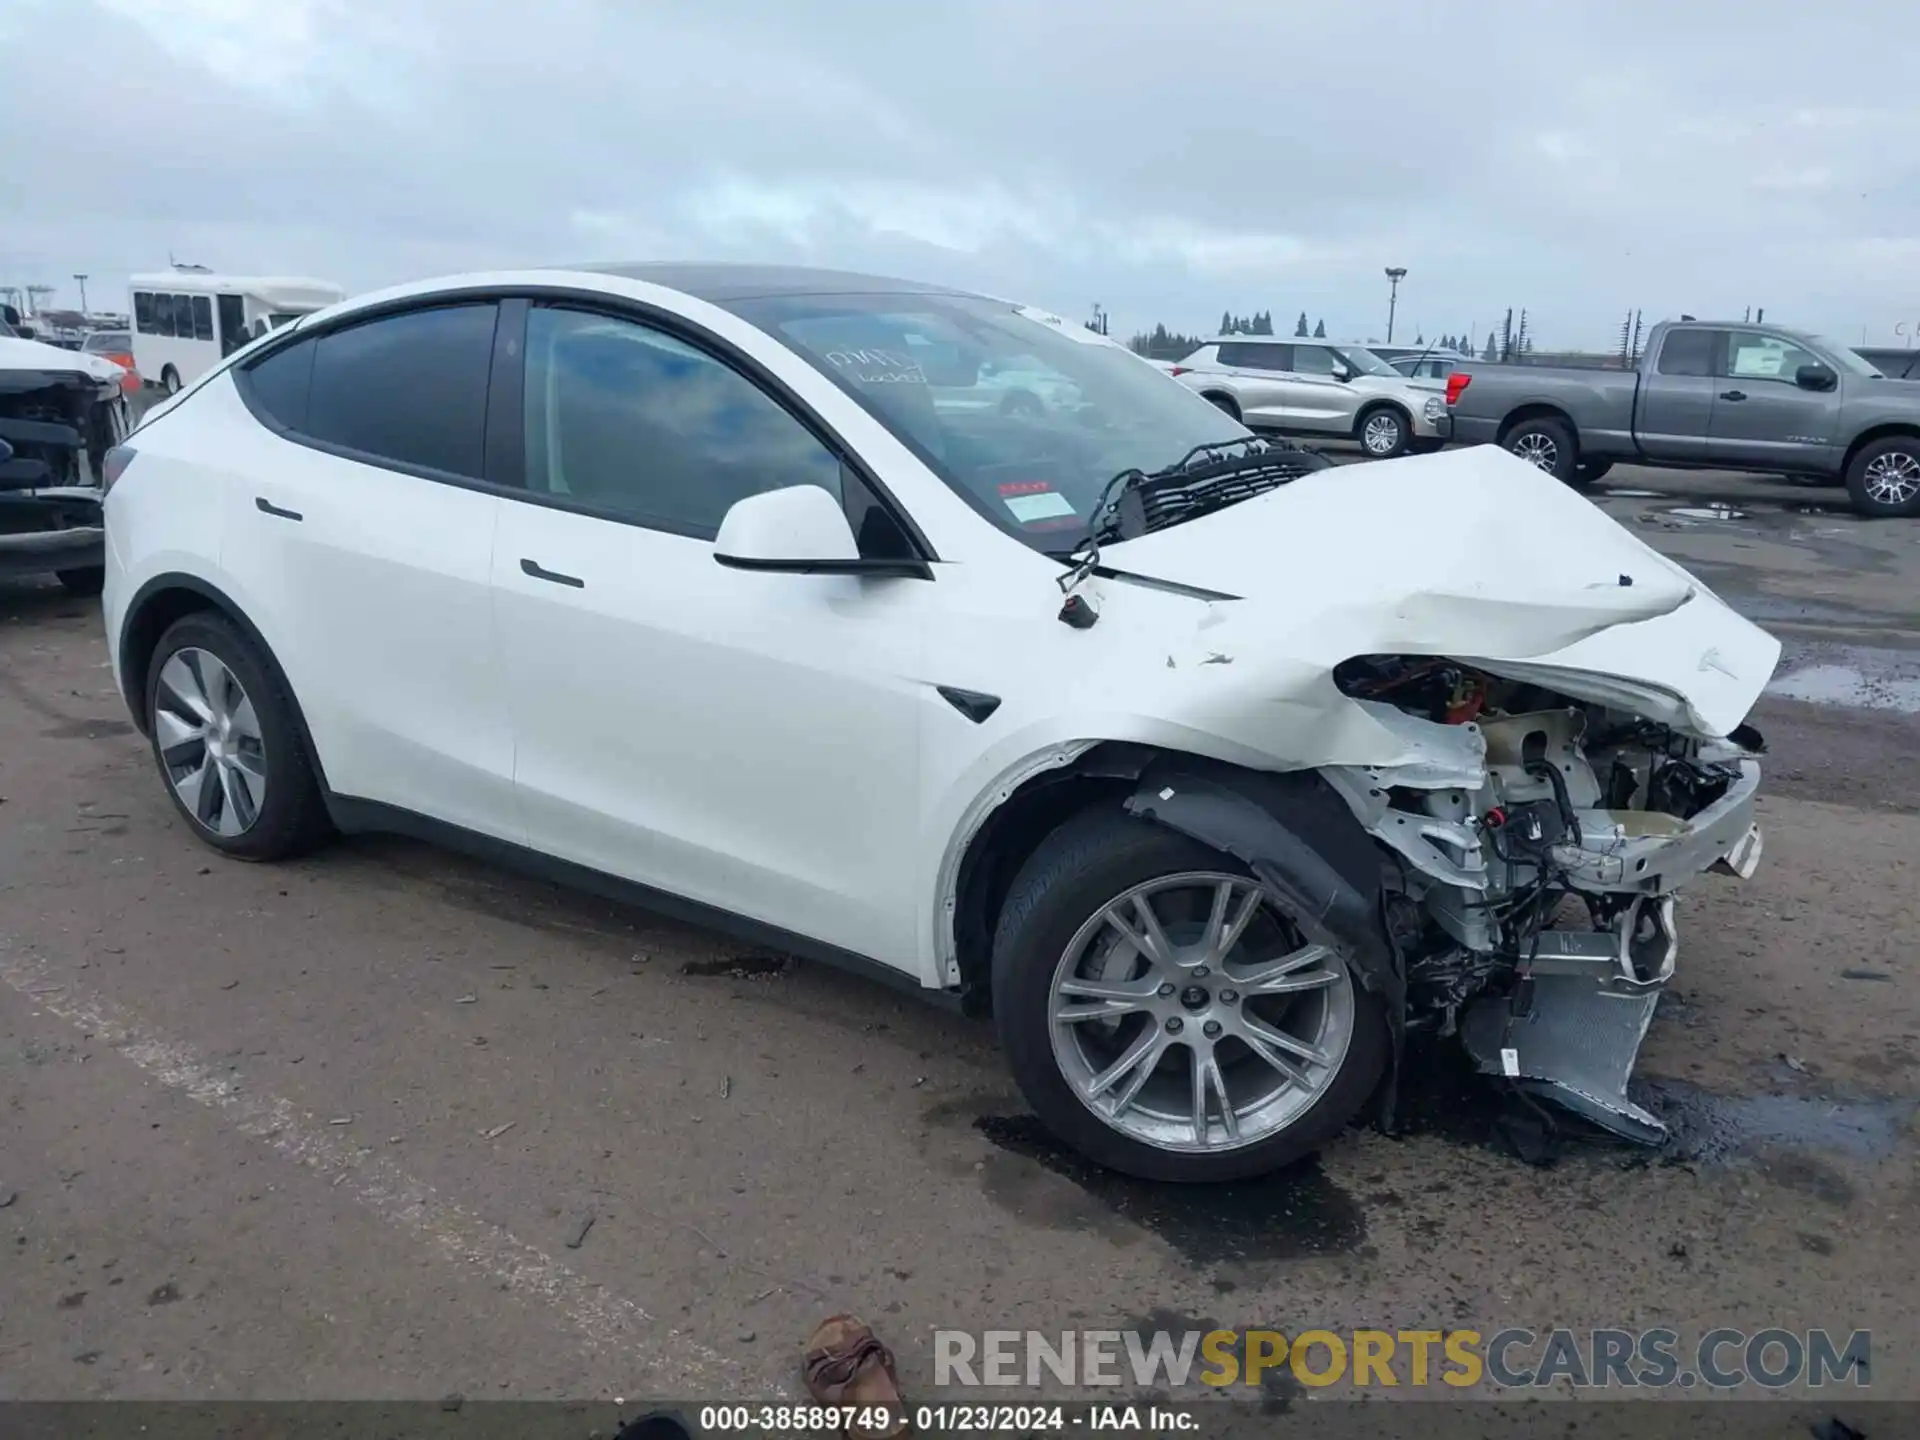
(1209, 769)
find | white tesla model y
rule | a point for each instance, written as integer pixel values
(933, 634)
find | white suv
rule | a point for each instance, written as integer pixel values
(1315, 387)
(710, 586)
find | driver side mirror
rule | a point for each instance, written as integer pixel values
(800, 530)
(1815, 377)
(1342, 373)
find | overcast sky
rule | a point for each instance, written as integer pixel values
(1168, 158)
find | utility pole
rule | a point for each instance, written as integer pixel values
(83, 292)
(1395, 274)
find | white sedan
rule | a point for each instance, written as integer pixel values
(1208, 774)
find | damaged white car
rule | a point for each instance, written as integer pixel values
(1209, 770)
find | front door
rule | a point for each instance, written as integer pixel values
(747, 741)
(1761, 416)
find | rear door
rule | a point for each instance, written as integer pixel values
(1674, 400)
(231, 313)
(1261, 372)
(363, 544)
(1761, 417)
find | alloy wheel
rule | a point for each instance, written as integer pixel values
(1381, 435)
(1189, 1014)
(1537, 450)
(1893, 478)
(209, 741)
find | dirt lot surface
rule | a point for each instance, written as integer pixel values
(334, 1128)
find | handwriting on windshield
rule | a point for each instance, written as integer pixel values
(872, 366)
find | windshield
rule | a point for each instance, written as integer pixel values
(1368, 363)
(1847, 360)
(1026, 420)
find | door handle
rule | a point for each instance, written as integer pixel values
(267, 507)
(1733, 394)
(540, 572)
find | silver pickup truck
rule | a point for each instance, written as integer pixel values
(1708, 396)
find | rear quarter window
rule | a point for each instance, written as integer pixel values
(409, 388)
(278, 384)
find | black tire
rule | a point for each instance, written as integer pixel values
(87, 580)
(1590, 472)
(1544, 438)
(1074, 872)
(1393, 432)
(293, 818)
(1223, 402)
(170, 380)
(1889, 464)
(1023, 403)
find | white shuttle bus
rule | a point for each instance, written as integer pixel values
(185, 321)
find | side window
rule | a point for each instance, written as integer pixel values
(637, 424)
(279, 384)
(143, 312)
(1689, 352)
(410, 388)
(202, 316)
(1250, 356)
(163, 314)
(1314, 360)
(1753, 356)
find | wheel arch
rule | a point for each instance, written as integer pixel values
(1290, 828)
(160, 603)
(1885, 430)
(1224, 399)
(1536, 410)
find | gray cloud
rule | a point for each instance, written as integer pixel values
(1169, 161)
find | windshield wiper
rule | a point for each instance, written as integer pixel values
(1136, 502)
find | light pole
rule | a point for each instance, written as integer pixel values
(83, 292)
(1395, 274)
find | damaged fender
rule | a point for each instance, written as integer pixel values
(1302, 842)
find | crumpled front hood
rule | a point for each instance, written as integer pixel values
(1472, 554)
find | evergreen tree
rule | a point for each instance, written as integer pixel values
(1226, 323)
(1492, 352)
(1301, 328)
(1320, 330)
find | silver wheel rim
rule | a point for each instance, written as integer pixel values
(172, 383)
(1537, 450)
(1190, 1015)
(209, 741)
(1893, 478)
(1382, 434)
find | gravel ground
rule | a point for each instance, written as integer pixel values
(333, 1128)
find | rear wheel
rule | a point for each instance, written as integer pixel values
(1884, 478)
(1162, 1013)
(228, 743)
(1546, 444)
(1590, 472)
(1224, 402)
(170, 380)
(1383, 432)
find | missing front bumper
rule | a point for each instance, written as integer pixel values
(1571, 1028)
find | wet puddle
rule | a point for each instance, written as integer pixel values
(1707, 512)
(1292, 1214)
(1633, 494)
(1851, 686)
(1711, 1129)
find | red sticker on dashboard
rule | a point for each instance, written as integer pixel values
(1025, 487)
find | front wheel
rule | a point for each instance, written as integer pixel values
(170, 380)
(1884, 478)
(1383, 432)
(1163, 1014)
(1546, 444)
